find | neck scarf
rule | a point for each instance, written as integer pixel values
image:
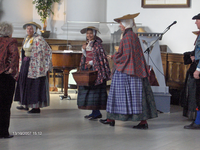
(128, 23)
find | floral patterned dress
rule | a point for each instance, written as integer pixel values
(36, 60)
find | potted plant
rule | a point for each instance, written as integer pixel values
(44, 10)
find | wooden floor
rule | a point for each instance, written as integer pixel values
(62, 126)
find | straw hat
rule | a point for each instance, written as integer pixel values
(196, 32)
(84, 30)
(129, 16)
(32, 23)
(141, 30)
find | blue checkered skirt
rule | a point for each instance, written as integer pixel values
(125, 96)
(149, 109)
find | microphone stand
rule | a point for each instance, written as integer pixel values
(150, 48)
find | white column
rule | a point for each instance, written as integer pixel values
(17, 12)
(93, 11)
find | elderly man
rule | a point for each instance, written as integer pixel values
(196, 123)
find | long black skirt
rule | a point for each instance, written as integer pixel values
(31, 92)
(7, 87)
(189, 99)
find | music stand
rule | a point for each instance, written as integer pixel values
(152, 43)
(150, 48)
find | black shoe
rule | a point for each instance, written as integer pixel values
(6, 136)
(34, 110)
(22, 108)
(104, 121)
(93, 118)
(192, 126)
(141, 126)
(88, 116)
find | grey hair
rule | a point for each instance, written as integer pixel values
(6, 29)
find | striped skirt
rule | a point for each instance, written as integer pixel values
(127, 111)
(31, 92)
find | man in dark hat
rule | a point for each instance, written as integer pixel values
(196, 123)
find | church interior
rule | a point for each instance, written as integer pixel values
(62, 125)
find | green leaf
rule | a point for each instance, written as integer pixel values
(44, 9)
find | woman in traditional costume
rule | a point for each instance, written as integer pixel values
(9, 63)
(196, 123)
(130, 97)
(94, 58)
(36, 60)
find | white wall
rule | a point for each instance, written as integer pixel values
(179, 38)
(17, 12)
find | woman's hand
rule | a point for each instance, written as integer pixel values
(87, 64)
(192, 58)
(9, 71)
(84, 46)
(196, 74)
(16, 76)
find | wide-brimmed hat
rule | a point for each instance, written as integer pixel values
(129, 16)
(84, 30)
(196, 32)
(141, 30)
(32, 23)
(196, 17)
